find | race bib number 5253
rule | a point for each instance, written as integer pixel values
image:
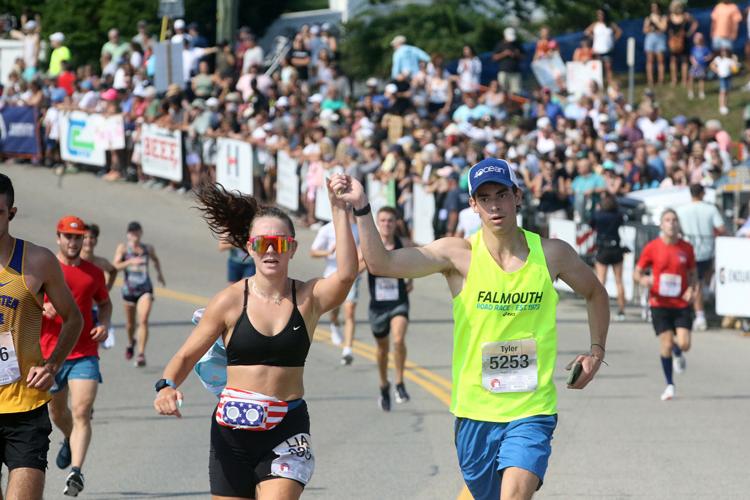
(509, 366)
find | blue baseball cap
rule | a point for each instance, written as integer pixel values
(491, 170)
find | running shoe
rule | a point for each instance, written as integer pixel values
(401, 395)
(668, 393)
(63, 456)
(73, 484)
(336, 336)
(346, 356)
(384, 401)
(679, 363)
(129, 350)
(699, 324)
(140, 361)
(620, 316)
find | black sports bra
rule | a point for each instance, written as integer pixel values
(287, 348)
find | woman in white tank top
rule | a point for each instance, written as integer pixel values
(604, 34)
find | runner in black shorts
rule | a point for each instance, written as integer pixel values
(609, 252)
(260, 430)
(389, 313)
(133, 258)
(672, 286)
(29, 272)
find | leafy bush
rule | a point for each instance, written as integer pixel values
(442, 28)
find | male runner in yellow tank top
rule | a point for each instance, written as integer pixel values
(27, 273)
(505, 338)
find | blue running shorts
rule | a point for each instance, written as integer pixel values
(86, 368)
(485, 449)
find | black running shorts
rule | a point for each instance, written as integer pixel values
(669, 318)
(24, 438)
(380, 319)
(239, 459)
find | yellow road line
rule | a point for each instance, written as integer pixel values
(431, 382)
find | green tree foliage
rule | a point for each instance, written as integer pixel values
(86, 22)
(442, 28)
(574, 15)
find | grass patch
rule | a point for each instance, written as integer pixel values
(674, 101)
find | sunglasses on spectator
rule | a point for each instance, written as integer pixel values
(280, 244)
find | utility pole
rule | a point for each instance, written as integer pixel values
(226, 19)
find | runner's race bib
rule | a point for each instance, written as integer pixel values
(9, 369)
(509, 366)
(670, 285)
(386, 289)
(295, 459)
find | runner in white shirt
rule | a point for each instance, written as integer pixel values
(469, 223)
(324, 246)
(701, 222)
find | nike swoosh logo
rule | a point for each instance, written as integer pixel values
(295, 328)
(3, 284)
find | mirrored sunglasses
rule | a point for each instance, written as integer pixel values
(280, 244)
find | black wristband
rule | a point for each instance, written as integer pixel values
(362, 211)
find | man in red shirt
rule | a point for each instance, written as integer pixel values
(672, 285)
(79, 376)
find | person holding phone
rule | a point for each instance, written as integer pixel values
(672, 285)
(505, 334)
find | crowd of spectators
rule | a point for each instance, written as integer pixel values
(422, 125)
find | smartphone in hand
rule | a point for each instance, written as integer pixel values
(575, 372)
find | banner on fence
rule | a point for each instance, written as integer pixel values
(78, 139)
(580, 75)
(732, 276)
(424, 212)
(548, 70)
(322, 203)
(10, 51)
(161, 152)
(19, 131)
(380, 194)
(110, 130)
(287, 181)
(234, 165)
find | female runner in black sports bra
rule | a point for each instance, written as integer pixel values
(260, 432)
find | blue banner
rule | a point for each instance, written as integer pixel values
(19, 131)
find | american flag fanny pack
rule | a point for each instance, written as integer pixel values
(250, 411)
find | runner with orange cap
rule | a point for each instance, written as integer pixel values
(79, 375)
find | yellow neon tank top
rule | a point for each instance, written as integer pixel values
(493, 313)
(21, 313)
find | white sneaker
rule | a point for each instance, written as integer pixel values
(679, 363)
(336, 336)
(699, 324)
(724, 110)
(620, 317)
(668, 393)
(702, 95)
(691, 96)
(346, 356)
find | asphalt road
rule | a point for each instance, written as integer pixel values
(616, 439)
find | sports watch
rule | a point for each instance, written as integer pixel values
(164, 382)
